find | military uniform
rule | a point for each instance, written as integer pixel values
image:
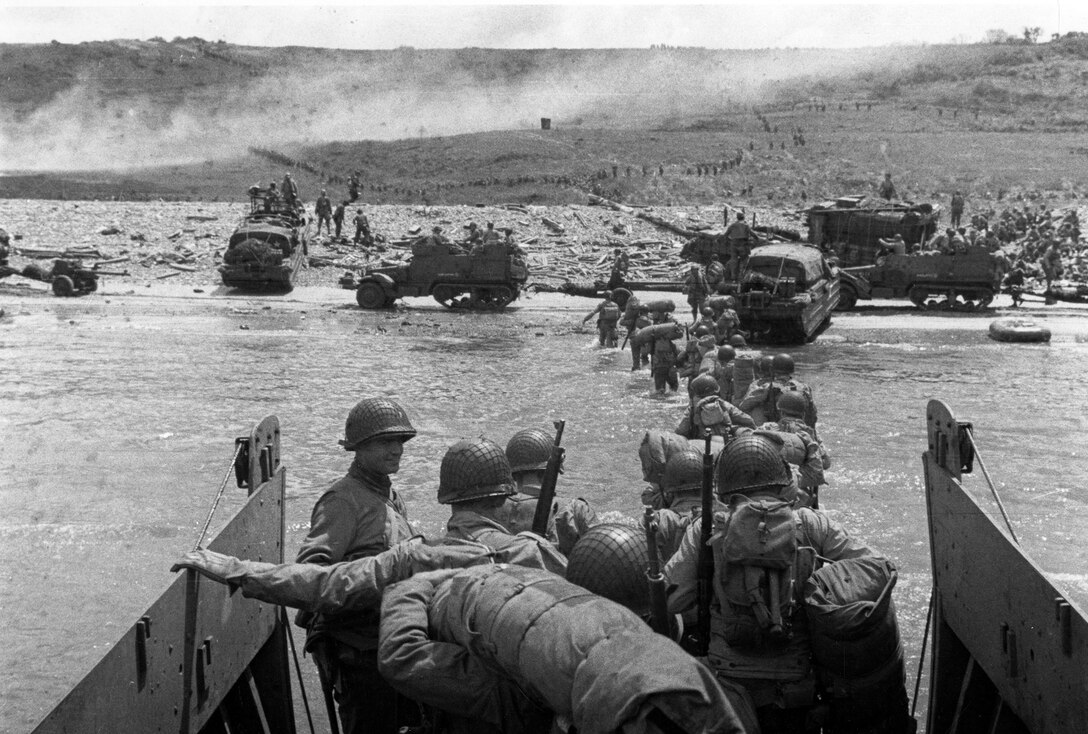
(663, 364)
(758, 401)
(323, 210)
(468, 525)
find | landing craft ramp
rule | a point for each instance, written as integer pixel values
(201, 658)
(1010, 649)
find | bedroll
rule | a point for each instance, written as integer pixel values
(666, 306)
(744, 372)
(648, 334)
(856, 645)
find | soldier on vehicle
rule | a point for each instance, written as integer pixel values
(608, 316)
(289, 191)
(738, 240)
(323, 212)
(271, 197)
(360, 515)
(759, 636)
(528, 452)
(474, 236)
(490, 236)
(707, 411)
(476, 481)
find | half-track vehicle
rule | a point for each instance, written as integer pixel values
(852, 226)
(786, 293)
(488, 278)
(963, 281)
(267, 247)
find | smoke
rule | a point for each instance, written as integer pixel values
(329, 96)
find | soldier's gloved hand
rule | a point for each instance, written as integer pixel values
(218, 567)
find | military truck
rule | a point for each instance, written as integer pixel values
(786, 293)
(851, 227)
(965, 281)
(268, 245)
(488, 278)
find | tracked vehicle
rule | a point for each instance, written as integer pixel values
(487, 279)
(267, 246)
(965, 281)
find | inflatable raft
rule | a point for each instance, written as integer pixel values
(1018, 330)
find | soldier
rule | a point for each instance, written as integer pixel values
(640, 354)
(791, 419)
(682, 492)
(663, 363)
(738, 237)
(957, 208)
(476, 481)
(528, 452)
(323, 211)
(289, 191)
(723, 371)
(338, 217)
(887, 188)
(474, 235)
(621, 262)
(695, 286)
(362, 229)
(707, 411)
(360, 515)
(608, 315)
(768, 653)
(715, 273)
(353, 186)
(761, 399)
(728, 323)
(490, 236)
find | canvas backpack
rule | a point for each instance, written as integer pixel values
(759, 567)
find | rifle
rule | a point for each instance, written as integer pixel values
(659, 608)
(706, 558)
(547, 485)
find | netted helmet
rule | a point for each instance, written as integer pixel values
(791, 404)
(611, 560)
(375, 418)
(782, 363)
(529, 450)
(701, 330)
(684, 472)
(726, 354)
(750, 463)
(704, 386)
(474, 469)
(737, 341)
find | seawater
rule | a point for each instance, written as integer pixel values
(118, 419)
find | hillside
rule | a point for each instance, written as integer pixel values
(189, 119)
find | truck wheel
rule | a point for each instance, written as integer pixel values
(63, 286)
(370, 295)
(848, 298)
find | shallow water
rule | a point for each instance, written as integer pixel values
(118, 418)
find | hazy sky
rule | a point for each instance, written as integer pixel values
(815, 23)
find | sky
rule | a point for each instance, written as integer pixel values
(728, 24)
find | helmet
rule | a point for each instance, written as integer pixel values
(683, 471)
(737, 341)
(472, 470)
(792, 404)
(702, 330)
(706, 311)
(726, 353)
(610, 560)
(608, 294)
(529, 450)
(782, 363)
(730, 302)
(765, 365)
(375, 418)
(751, 462)
(704, 386)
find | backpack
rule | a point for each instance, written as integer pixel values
(758, 571)
(709, 413)
(610, 313)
